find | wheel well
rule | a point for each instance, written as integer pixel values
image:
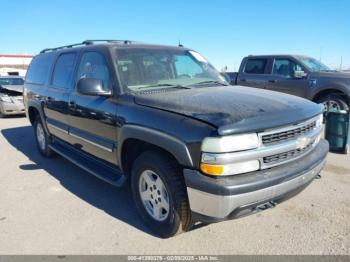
(32, 113)
(325, 93)
(132, 148)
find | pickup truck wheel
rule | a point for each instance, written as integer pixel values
(335, 102)
(1, 114)
(42, 139)
(160, 195)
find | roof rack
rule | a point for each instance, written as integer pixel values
(86, 42)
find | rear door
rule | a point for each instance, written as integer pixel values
(57, 96)
(253, 73)
(92, 118)
(282, 78)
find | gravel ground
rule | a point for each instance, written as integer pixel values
(50, 206)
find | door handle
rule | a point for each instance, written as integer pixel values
(272, 81)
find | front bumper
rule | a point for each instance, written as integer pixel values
(215, 199)
(12, 108)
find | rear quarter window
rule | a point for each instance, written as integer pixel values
(39, 69)
(255, 66)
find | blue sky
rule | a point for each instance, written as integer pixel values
(222, 30)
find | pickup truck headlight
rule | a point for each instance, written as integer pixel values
(230, 169)
(230, 143)
(319, 120)
(6, 99)
(214, 148)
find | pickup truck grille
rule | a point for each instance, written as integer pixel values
(288, 134)
(283, 157)
(288, 143)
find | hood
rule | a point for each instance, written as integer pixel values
(233, 109)
(16, 88)
(332, 74)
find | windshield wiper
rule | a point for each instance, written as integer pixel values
(209, 82)
(166, 85)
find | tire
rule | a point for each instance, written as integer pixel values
(178, 216)
(337, 102)
(1, 114)
(42, 138)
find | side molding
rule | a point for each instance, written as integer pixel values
(169, 143)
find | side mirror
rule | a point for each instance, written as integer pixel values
(91, 87)
(299, 74)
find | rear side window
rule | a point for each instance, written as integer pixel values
(94, 65)
(39, 69)
(63, 72)
(255, 66)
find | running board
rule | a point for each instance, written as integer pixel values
(97, 168)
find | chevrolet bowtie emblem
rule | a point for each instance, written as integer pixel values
(303, 142)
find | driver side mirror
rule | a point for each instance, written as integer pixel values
(300, 74)
(92, 87)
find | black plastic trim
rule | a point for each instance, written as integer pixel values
(169, 143)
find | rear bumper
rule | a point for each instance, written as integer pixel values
(216, 199)
(12, 108)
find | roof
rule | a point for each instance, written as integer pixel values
(279, 55)
(119, 43)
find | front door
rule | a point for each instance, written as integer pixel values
(92, 119)
(283, 78)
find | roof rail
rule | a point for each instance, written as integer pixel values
(86, 42)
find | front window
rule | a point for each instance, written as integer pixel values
(151, 69)
(11, 81)
(314, 65)
(285, 67)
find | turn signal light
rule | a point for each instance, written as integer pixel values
(214, 170)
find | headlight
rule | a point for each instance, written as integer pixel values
(319, 120)
(230, 143)
(213, 157)
(6, 99)
(230, 169)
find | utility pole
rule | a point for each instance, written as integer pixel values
(341, 63)
(320, 53)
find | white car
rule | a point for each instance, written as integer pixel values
(11, 95)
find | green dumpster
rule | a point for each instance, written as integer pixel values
(338, 131)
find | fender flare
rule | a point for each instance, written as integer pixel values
(39, 107)
(338, 88)
(167, 142)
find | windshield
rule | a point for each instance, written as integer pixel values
(314, 65)
(11, 81)
(142, 69)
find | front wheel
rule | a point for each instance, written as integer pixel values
(42, 138)
(160, 195)
(334, 102)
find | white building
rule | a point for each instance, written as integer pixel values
(14, 64)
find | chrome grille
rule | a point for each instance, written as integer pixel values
(286, 156)
(287, 135)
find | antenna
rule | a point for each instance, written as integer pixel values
(180, 45)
